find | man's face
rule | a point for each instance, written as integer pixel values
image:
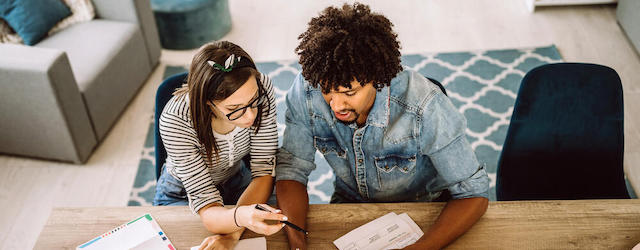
(353, 104)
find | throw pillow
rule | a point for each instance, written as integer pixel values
(32, 19)
(82, 11)
(7, 35)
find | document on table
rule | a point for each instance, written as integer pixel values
(258, 243)
(390, 231)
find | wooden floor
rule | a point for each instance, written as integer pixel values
(268, 30)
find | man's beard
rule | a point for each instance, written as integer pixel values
(355, 119)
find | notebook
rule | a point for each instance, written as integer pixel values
(140, 233)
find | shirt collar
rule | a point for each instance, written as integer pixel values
(379, 113)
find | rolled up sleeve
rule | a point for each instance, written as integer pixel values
(443, 140)
(295, 160)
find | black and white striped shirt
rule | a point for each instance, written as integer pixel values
(186, 158)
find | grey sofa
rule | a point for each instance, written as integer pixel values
(628, 13)
(59, 98)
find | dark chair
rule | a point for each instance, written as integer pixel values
(436, 82)
(566, 137)
(164, 93)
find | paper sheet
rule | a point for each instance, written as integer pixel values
(390, 231)
(258, 243)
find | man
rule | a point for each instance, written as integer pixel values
(389, 135)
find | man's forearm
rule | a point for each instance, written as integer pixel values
(455, 219)
(293, 200)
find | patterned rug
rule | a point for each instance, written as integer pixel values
(483, 86)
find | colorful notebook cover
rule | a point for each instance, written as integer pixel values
(141, 233)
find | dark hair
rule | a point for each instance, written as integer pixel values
(205, 83)
(347, 43)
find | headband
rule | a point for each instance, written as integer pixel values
(231, 62)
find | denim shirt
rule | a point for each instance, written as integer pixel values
(411, 147)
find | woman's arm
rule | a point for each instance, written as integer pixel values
(264, 145)
(220, 220)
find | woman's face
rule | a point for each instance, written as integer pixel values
(241, 106)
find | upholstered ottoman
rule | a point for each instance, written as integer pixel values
(188, 24)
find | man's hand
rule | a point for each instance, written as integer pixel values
(294, 202)
(218, 242)
(455, 219)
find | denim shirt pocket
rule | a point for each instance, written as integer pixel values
(395, 171)
(328, 147)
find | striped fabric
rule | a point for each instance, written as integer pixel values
(186, 156)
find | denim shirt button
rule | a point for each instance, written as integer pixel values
(386, 167)
(360, 160)
(406, 168)
(324, 150)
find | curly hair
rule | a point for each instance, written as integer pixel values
(349, 43)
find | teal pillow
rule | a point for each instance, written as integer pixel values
(32, 19)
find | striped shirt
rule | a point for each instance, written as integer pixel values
(186, 158)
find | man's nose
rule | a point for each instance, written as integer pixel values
(337, 103)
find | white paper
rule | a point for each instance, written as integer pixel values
(258, 243)
(390, 231)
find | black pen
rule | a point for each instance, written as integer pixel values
(285, 222)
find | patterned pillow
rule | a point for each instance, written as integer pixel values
(81, 11)
(32, 19)
(7, 35)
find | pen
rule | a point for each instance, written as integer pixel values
(285, 222)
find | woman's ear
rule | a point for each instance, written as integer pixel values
(211, 106)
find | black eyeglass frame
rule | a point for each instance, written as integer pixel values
(260, 99)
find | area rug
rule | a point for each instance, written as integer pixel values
(482, 84)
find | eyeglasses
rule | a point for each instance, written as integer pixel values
(236, 114)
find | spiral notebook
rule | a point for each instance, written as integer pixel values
(140, 233)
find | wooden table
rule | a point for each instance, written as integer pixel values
(586, 224)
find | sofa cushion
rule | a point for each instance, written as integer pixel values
(109, 61)
(90, 46)
(32, 19)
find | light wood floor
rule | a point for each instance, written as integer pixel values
(268, 30)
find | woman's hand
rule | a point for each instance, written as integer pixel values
(253, 219)
(218, 242)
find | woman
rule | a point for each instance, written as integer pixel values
(219, 130)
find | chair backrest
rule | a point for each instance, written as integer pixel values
(566, 137)
(437, 83)
(164, 93)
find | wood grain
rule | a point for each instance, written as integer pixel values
(268, 30)
(585, 224)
